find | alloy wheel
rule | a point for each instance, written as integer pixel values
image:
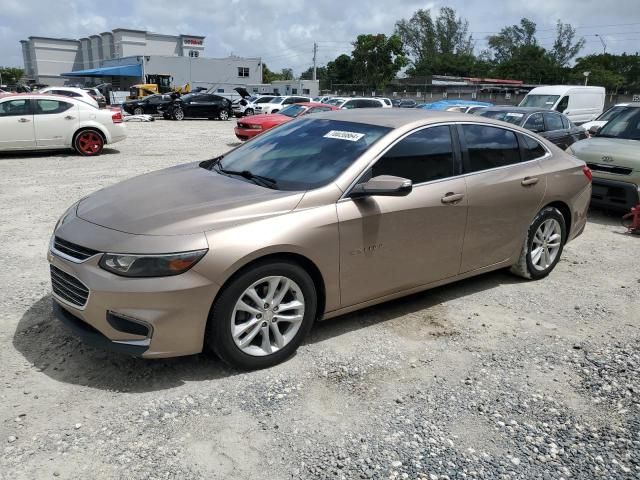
(89, 143)
(546, 244)
(178, 114)
(267, 316)
(224, 115)
(138, 111)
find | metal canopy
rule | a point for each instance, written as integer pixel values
(134, 70)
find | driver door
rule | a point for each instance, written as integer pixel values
(16, 124)
(390, 244)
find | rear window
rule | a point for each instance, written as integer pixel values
(304, 154)
(292, 110)
(504, 115)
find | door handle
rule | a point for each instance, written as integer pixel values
(451, 197)
(69, 117)
(23, 120)
(528, 181)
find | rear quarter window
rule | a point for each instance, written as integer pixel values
(489, 147)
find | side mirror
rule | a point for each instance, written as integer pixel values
(384, 186)
(593, 131)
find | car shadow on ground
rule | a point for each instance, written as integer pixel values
(49, 153)
(52, 349)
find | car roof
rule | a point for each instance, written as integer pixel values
(397, 118)
(314, 104)
(76, 101)
(562, 89)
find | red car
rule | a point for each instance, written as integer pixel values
(249, 127)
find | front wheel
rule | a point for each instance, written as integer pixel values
(248, 112)
(138, 111)
(262, 315)
(543, 246)
(178, 114)
(223, 115)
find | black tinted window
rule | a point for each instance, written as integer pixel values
(421, 157)
(489, 147)
(563, 104)
(48, 107)
(532, 149)
(154, 100)
(535, 123)
(553, 121)
(15, 107)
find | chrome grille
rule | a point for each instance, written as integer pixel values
(68, 287)
(72, 250)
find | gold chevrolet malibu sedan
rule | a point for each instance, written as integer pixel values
(316, 218)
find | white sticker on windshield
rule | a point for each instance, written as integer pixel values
(341, 135)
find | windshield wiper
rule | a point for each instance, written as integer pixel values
(255, 178)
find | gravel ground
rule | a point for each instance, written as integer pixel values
(492, 377)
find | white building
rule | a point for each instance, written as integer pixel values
(124, 57)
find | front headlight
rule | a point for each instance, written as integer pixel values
(150, 265)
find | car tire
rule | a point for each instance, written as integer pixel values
(223, 115)
(178, 114)
(225, 315)
(138, 111)
(543, 246)
(248, 112)
(88, 143)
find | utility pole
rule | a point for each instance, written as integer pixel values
(604, 45)
(315, 54)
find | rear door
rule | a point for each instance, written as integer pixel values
(554, 130)
(54, 121)
(504, 192)
(16, 124)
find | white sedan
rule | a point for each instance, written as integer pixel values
(46, 122)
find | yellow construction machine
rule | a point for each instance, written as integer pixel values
(156, 83)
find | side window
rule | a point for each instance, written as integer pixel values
(553, 121)
(489, 147)
(49, 107)
(14, 108)
(422, 156)
(535, 123)
(349, 104)
(566, 124)
(374, 104)
(532, 149)
(563, 104)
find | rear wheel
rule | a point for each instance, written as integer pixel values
(138, 111)
(262, 315)
(88, 143)
(223, 115)
(543, 246)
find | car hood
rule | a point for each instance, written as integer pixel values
(266, 118)
(618, 151)
(182, 200)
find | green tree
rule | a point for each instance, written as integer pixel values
(530, 63)
(377, 59)
(340, 71)
(437, 46)
(565, 47)
(11, 75)
(511, 39)
(286, 74)
(610, 71)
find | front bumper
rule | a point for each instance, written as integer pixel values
(246, 133)
(614, 194)
(172, 311)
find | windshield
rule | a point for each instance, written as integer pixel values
(624, 125)
(609, 114)
(504, 115)
(292, 110)
(304, 154)
(539, 101)
(277, 100)
(263, 100)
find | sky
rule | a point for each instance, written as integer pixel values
(282, 32)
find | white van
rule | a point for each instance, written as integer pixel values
(580, 104)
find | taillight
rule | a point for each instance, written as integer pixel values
(587, 173)
(116, 117)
